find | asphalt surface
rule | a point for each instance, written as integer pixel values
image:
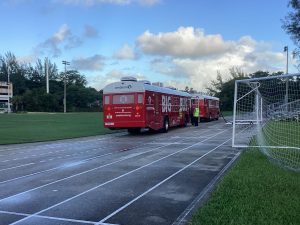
(146, 179)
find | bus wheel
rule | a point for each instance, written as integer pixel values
(134, 130)
(166, 125)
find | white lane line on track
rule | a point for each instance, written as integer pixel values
(203, 193)
(43, 161)
(67, 146)
(55, 168)
(153, 149)
(78, 174)
(53, 218)
(160, 183)
(112, 180)
(10, 168)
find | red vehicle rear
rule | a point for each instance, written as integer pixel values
(132, 105)
(209, 106)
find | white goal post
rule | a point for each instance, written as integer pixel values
(266, 115)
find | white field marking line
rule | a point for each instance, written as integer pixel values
(10, 168)
(78, 174)
(204, 192)
(53, 218)
(160, 183)
(110, 181)
(55, 168)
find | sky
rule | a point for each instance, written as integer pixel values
(180, 43)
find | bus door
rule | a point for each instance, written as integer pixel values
(158, 111)
(150, 109)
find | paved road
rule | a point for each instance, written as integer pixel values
(146, 179)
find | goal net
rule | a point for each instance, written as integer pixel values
(267, 115)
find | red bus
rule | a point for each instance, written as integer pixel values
(209, 106)
(131, 104)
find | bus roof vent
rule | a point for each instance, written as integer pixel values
(159, 84)
(145, 82)
(129, 79)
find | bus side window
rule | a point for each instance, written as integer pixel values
(140, 98)
(106, 100)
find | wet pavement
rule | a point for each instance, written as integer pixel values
(145, 179)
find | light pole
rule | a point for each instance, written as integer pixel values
(47, 74)
(65, 85)
(286, 49)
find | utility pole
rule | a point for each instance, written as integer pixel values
(8, 88)
(47, 75)
(65, 85)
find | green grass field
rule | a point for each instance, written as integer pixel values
(254, 191)
(275, 133)
(20, 128)
(227, 113)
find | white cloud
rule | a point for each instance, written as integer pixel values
(61, 34)
(126, 52)
(93, 63)
(191, 58)
(51, 45)
(185, 42)
(64, 38)
(198, 73)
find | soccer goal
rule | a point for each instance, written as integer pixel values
(267, 116)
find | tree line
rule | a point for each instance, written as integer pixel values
(29, 87)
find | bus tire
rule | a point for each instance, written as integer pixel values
(134, 130)
(166, 125)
